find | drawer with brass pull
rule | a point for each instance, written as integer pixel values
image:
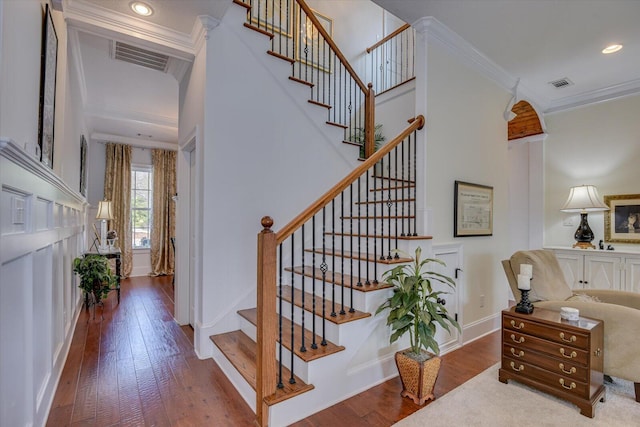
(558, 357)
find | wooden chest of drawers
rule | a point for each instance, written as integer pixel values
(556, 356)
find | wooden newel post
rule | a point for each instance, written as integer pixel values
(369, 122)
(267, 320)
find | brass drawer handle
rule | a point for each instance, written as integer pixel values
(570, 371)
(568, 356)
(520, 326)
(568, 387)
(572, 339)
(519, 368)
(519, 340)
(519, 354)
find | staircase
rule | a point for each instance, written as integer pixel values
(312, 340)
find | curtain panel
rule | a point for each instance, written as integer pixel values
(117, 188)
(164, 211)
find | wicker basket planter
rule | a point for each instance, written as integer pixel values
(418, 378)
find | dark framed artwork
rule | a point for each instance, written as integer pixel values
(622, 221)
(83, 166)
(49, 60)
(473, 210)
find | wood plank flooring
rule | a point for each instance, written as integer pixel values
(134, 366)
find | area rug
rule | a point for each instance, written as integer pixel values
(485, 401)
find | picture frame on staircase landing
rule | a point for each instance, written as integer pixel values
(473, 210)
(311, 48)
(273, 15)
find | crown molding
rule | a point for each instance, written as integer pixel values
(202, 30)
(131, 116)
(111, 24)
(135, 142)
(594, 97)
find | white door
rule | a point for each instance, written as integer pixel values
(602, 272)
(632, 275)
(572, 265)
(452, 257)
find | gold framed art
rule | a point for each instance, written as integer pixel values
(311, 49)
(622, 221)
(273, 15)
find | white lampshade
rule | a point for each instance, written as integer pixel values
(584, 198)
(105, 210)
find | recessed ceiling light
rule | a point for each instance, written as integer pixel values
(141, 8)
(612, 48)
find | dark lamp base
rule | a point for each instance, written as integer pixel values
(524, 306)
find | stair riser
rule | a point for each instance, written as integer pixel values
(332, 330)
(301, 367)
(362, 301)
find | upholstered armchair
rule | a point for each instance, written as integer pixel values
(619, 310)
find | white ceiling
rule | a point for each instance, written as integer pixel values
(536, 41)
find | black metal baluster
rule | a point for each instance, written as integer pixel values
(280, 285)
(415, 169)
(351, 309)
(303, 348)
(324, 268)
(375, 222)
(403, 190)
(401, 182)
(382, 257)
(359, 236)
(343, 251)
(389, 204)
(333, 259)
(292, 379)
(314, 344)
(366, 253)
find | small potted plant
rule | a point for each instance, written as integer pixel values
(96, 278)
(417, 309)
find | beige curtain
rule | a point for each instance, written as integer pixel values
(164, 211)
(117, 188)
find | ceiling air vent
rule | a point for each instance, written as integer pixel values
(135, 55)
(563, 82)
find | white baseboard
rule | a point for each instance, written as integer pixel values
(480, 328)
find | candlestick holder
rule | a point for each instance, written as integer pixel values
(524, 306)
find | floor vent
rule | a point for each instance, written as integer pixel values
(135, 55)
(563, 82)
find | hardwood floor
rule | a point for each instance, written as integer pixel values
(132, 365)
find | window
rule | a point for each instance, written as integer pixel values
(141, 206)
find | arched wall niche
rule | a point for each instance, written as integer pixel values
(526, 122)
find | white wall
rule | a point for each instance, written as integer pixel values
(467, 141)
(39, 298)
(598, 145)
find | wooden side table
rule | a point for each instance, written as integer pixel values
(114, 253)
(559, 357)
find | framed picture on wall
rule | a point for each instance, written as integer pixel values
(473, 210)
(622, 221)
(49, 60)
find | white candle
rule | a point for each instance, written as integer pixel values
(526, 270)
(524, 282)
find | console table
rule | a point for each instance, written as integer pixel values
(560, 357)
(114, 253)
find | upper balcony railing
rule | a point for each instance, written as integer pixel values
(390, 62)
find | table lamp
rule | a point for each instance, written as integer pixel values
(105, 213)
(584, 199)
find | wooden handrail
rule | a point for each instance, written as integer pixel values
(312, 17)
(388, 37)
(297, 222)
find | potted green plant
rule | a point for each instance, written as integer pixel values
(96, 278)
(359, 137)
(417, 309)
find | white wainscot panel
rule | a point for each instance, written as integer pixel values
(42, 214)
(15, 209)
(42, 331)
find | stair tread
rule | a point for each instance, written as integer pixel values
(304, 82)
(337, 280)
(308, 306)
(340, 125)
(377, 236)
(320, 104)
(241, 351)
(259, 30)
(251, 315)
(361, 256)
